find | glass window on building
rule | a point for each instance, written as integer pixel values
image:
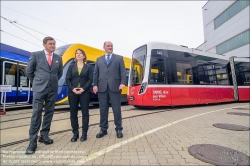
(234, 43)
(231, 11)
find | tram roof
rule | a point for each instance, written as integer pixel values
(14, 50)
(192, 51)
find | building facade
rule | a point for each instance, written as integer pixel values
(226, 28)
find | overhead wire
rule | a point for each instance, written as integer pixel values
(20, 38)
(15, 22)
(12, 22)
(59, 27)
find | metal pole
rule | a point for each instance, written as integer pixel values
(236, 95)
(4, 101)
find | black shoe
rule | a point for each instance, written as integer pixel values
(45, 139)
(101, 134)
(119, 134)
(84, 137)
(75, 137)
(31, 148)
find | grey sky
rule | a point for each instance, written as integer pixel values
(127, 24)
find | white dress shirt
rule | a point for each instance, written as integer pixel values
(106, 56)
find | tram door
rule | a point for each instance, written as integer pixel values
(15, 74)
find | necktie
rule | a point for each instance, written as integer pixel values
(108, 59)
(49, 59)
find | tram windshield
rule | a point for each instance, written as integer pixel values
(138, 66)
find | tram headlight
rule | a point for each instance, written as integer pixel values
(143, 88)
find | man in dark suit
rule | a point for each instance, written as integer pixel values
(44, 69)
(109, 80)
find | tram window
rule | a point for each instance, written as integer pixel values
(23, 79)
(127, 75)
(157, 71)
(62, 80)
(206, 74)
(242, 73)
(181, 72)
(221, 74)
(135, 74)
(10, 74)
(92, 65)
(61, 51)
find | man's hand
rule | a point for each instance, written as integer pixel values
(95, 89)
(121, 87)
(75, 91)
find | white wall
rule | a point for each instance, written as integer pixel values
(234, 26)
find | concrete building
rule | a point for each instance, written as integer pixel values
(226, 28)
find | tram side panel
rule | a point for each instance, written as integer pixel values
(183, 94)
(157, 95)
(244, 93)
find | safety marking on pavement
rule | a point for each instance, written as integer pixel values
(115, 146)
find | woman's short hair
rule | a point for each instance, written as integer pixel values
(79, 49)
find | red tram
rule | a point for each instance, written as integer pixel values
(163, 74)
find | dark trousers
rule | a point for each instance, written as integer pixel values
(49, 96)
(115, 100)
(74, 100)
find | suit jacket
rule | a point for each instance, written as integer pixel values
(40, 73)
(111, 75)
(85, 78)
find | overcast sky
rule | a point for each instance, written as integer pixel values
(127, 24)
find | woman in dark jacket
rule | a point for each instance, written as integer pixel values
(79, 79)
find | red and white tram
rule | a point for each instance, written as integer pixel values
(163, 74)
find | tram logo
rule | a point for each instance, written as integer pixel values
(132, 90)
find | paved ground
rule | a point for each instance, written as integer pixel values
(160, 138)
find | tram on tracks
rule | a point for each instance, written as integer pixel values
(163, 74)
(68, 55)
(13, 62)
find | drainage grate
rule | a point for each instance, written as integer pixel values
(239, 113)
(218, 155)
(231, 127)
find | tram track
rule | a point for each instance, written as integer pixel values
(28, 112)
(94, 124)
(28, 117)
(56, 109)
(1, 129)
